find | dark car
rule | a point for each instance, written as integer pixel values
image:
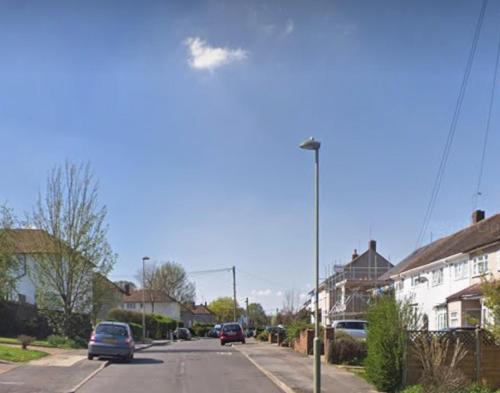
(231, 332)
(182, 334)
(111, 339)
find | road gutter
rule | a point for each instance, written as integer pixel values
(90, 376)
(278, 382)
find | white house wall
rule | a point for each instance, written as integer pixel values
(426, 296)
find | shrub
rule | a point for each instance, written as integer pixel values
(293, 330)
(263, 336)
(386, 337)
(413, 389)
(25, 340)
(157, 326)
(61, 342)
(136, 330)
(201, 329)
(346, 350)
(477, 388)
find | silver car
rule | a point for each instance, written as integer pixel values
(353, 327)
(111, 339)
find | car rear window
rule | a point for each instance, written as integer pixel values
(352, 325)
(113, 330)
(231, 328)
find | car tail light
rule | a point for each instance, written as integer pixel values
(92, 337)
(128, 340)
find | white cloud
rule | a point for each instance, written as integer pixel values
(261, 292)
(205, 57)
(288, 27)
(279, 293)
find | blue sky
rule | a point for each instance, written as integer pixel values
(191, 114)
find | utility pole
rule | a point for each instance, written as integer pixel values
(248, 317)
(144, 259)
(234, 292)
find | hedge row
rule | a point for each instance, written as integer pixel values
(157, 326)
(201, 329)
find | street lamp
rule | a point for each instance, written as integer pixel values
(312, 144)
(144, 259)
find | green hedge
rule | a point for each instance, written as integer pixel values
(157, 326)
(201, 329)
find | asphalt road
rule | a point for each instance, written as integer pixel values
(200, 366)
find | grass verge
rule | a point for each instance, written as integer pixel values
(19, 355)
(15, 341)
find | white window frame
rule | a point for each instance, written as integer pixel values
(461, 270)
(437, 277)
(441, 319)
(400, 285)
(480, 265)
(454, 319)
(130, 306)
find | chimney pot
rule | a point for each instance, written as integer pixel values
(478, 215)
(355, 254)
(373, 245)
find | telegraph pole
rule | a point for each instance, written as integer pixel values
(248, 317)
(234, 292)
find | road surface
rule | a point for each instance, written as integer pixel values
(200, 366)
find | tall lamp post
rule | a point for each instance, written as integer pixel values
(312, 144)
(144, 259)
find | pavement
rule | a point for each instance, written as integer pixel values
(293, 372)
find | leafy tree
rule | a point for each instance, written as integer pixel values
(74, 240)
(168, 278)
(223, 308)
(11, 267)
(491, 295)
(387, 324)
(257, 315)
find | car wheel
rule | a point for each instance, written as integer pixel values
(131, 356)
(222, 343)
(243, 341)
(90, 357)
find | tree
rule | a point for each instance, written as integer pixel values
(491, 296)
(147, 277)
(74, 237)
(168, 278)
(257, 315)
(171, 279)
(11, 267)
(223, 308)
(290, 301)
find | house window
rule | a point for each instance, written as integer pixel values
(441, 320)
(454, 319)
(437, 277)
(21, 298)
(461, 270)
(131, 306)
(480, 265)
(400, 285)
(414, 281)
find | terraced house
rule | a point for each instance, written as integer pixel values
(442, 280)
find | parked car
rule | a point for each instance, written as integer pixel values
(231, 332)
(182, 334)
(111, 339)
(214, 333)
(354, 328)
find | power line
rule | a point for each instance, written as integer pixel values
(487, 130)
(453, 126)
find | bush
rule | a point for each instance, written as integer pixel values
(136, 330)
(346, 350)
(61, 342)
(25, 340)
(413, 389)
(293, 330)
(22, 318)
(157, 326)
(386, 337)
(263, 336)
(477, 388)
(201, 329)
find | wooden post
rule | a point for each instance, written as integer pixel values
(478, 336)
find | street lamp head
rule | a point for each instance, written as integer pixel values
(145, 258)
(310, 144)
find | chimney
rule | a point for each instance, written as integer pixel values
(478, 215)
(355, 254)
(126, 288)
(372, 245)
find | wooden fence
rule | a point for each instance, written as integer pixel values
(480, 364)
